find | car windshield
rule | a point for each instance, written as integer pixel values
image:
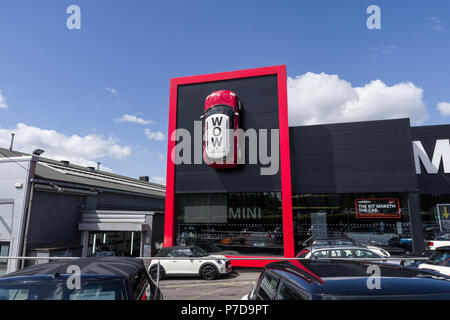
(440, 258)
(199, 252)
(210, 247)
(59, 290)
(303, 253)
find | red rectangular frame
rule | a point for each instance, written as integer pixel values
(285, 164)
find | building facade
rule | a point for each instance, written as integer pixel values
(54, 208)
(382, 183)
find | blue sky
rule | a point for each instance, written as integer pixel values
(52, 78)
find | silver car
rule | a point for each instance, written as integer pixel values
(339, 252)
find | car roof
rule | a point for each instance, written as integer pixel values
(326, 268)
(332, 238)
(101, 266)
(165, 250)
(331, 277)
(338, 247)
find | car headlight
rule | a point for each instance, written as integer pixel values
(219, 261)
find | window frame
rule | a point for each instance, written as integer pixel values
(8, 243)
(258, 287)
(288, 284)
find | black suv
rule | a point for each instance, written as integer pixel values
(99, 278)
(347, 280)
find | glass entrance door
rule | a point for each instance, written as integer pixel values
(115, 243)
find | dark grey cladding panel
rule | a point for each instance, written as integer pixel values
(427, 135)
(259, 98)
(370, 156)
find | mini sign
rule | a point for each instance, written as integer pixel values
(377, 208)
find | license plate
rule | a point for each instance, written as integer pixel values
(259, 244)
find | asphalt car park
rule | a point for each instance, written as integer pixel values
(229, 287)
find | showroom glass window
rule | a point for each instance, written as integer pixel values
(334, 215)
(435, 225)
(4, 252)
(115, 243)
(241, 223)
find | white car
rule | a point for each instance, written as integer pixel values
(198, 262)
(341, 241)
(439, 261)
(440, 240)
(339, 252)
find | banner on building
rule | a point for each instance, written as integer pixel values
(377, 208)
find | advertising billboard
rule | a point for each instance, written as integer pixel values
(377, 208)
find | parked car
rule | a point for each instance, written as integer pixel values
(209, 268)
(421, 257)
(346, 280)
(344, 252)
(213, 248)
(370, 235)
(101, 278)
(438, 240)
(438, 261)
(111, 253)
(258, 236)
(342, 241)
(374, 236)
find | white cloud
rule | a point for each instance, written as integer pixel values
(78, 150)
(111, 90)
(325, 98)
(133, 119)
(444, 108)
(160, 180)
(382, 50)
(435, 23)
(158, 136)
(3, 104)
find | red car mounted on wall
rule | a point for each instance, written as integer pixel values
(220, 124)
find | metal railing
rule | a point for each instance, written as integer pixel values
(227, 258)
(160, 259)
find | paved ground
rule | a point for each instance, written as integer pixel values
(231, 287)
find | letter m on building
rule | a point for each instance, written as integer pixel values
(441, 153)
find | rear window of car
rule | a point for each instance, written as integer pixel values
(320, 254)
(287, 292)
(440, 258)
(59, 290)
(359, 253)
(267, 287)
(341, 253)
(180, 253)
